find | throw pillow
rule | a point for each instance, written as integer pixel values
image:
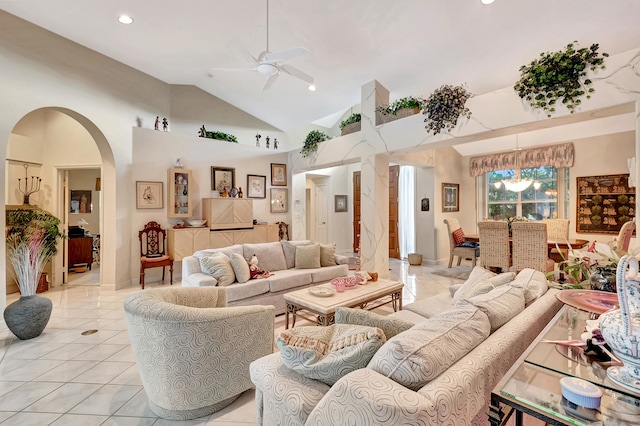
(240, 268)
(499, 305)
(289, 248)
(327, 255)
(533, 283)
(328, 353)
(415, 357)
(458, 236)
(483, 286)
(308, 257)
(474, 284)
(270, 255)
(390, 326)
(454, 288)
(218, 266)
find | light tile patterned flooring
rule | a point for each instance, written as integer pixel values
(65, 378)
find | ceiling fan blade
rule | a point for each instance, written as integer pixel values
(284, 55)
(272, 78)
(291, 70)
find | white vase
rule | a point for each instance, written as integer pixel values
(621, 327)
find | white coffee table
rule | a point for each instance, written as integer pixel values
(368, 296)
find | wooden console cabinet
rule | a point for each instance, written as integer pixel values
(80, 251)
(186, 241)
(228, 213)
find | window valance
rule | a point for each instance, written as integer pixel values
(560, 155)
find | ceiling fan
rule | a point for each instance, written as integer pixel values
(271, 64)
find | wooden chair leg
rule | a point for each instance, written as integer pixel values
(142, 277)
(171, 273)
(163, 268)
(450, 261)
(459, 260)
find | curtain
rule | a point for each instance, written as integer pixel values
(406, 210)
(557, 156)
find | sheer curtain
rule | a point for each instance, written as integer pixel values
(406, 210)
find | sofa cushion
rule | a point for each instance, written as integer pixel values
(289, 249)
(308, 257)
(533, 283)
(328, 273)
(417, 356)
(480, 283)
(327, 254)
(270, 255)
(237, 248)
(431, 306)
(218, 266)
(249, 289)
(390, 326)
(328, 353)
(499, 305)
(288, 279)
(240, 267)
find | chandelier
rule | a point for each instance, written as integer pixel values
(517, 183)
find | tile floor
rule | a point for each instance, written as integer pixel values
(65, 378)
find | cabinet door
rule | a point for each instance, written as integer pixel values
(200, 239)
(179, 193)
(260, 233)
(220, 239)
(179, 243)
(273, 233)
(243, 236)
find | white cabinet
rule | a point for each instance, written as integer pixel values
(228, 213)
(186, 241)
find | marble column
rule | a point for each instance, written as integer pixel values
(634, 166)
(374, 217)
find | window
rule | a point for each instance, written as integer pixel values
(531, 203)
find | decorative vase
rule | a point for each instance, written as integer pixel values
(621, 327)
(28, 316)
(604, 279)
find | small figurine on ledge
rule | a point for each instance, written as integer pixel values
(267, 142)
(165, 124)
(157, 124)
(258, 136)
(275, 143)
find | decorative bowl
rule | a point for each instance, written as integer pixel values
(196, 222)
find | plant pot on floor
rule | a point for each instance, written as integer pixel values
(28, 316)
(415, 259)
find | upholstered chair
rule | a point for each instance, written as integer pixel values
(463, 251)
(558, 230)
(494, 241)
(620, 244)
(529, 247)
(192, 352)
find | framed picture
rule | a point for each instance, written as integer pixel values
(424, 205)
(604, 203)
(279, 200)
(341, 203)
(223, 179)
(149, 195)
(80, 201)
(278, 174)
(256, 186)
(450, 197)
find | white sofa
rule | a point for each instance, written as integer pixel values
(385, 392)
(278, 258)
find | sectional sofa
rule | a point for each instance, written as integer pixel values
(293, 265)
(435, 364)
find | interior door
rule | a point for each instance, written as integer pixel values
(394, 244)
(356, 212)
(322, 212)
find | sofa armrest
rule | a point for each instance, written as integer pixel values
(342, 259)
(365, 397)
(199, 280)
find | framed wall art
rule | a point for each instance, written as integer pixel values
(450, 197)
(278, 174)
(279, 200)
(223, 179)
(256, 186)
(604, 203)
(149, 195)
(80, 201)
(340, 203)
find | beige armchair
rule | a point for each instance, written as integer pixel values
(620, 244)
(192, 352)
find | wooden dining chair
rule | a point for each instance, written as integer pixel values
(558, 230)
(494, 244)
(153, 246)
(529, 247)
(458, 248)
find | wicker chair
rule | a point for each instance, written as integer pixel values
(620, 244)
(494, 240)
(530, 247)
(454, 250)
(557, 229)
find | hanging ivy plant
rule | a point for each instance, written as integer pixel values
(559, 76)
(353, 118)
(444, 106)
(311, 142)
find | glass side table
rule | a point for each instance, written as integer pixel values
(532, 384)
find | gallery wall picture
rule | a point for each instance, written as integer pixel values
(278, 174)
(604, 203)
(149, 195)
(256, 186)
(223, 179)
(340, 203)
(450, 197)
(279, 200)
(80, 201)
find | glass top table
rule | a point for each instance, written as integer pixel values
(532, 385)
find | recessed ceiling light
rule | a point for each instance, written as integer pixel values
(487, 1)
(125, 19)
(312, 87)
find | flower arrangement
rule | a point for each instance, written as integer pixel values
(559, 76)
(311, 142)
(444, 106)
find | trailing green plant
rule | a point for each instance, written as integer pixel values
(444, 106)
(204, 133)
(353, 118)
(311, 142)
(559, 77)
(408, 102)
(32, 239)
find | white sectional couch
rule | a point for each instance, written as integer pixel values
(430, 371)
(289, 273)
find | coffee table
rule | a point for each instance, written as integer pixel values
(368, 296)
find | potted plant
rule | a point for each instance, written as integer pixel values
(32, 240)
(559, 76)
(444, 106)
(408, 105)
(311, 142)
(351, 124)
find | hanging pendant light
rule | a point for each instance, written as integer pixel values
(517, 184)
